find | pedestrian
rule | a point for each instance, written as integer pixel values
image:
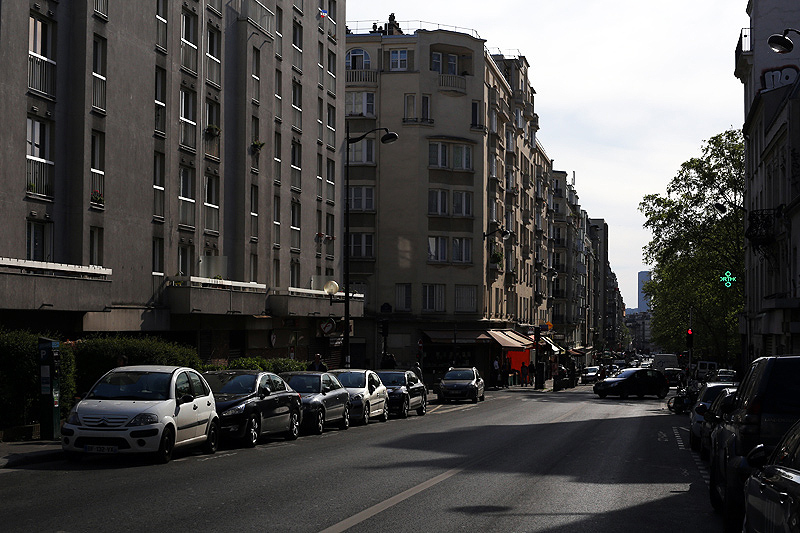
(417, 370)
(317, 364)
(496, 372)
(506, 371)
(523, 372)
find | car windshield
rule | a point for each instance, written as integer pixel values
(590, 370)
(710, 393)
(459, 374)
(231, 383)
(392, 378)
(305, 383)
(352, 380)
(132, 385)
(626, 373)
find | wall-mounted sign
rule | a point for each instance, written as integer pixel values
(328, 326)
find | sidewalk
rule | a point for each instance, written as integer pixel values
(13, 454)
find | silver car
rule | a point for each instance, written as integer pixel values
(368, 395)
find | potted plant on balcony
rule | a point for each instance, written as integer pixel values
(212, 130)
(496, 257)
(257, 145)
(96, 197)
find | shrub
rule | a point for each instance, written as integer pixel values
(269, 365)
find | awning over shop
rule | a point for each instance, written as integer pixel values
(556, 348)
(510, 339)
(457, 336)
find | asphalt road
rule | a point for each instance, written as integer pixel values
(520, 461)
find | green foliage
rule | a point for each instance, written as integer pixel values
(20, 373)
(270, 365)
(693, 245)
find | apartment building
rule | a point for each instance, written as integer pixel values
(451, 224)
(771, 321)
(181, 171)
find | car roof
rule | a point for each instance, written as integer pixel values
(304, 372)
(343, 370)
(150, 368)
(237, 371)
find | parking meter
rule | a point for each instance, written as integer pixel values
(50, 366)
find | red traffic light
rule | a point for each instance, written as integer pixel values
(689, 331)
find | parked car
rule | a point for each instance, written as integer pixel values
(708, 392)
(462, 384)
(711, 419)
(368, 396)
(723, 375)
(406, 392)
(633, 381)
(324, 399)
(765, 405)
(252, 403)
(772, 492)
(590, 374)
(676, 377)
(143, 409)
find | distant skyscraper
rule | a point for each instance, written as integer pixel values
(644, 303)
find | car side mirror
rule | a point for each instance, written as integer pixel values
(728, 403)
(757, 457)
(264, 391)
(186, 398)
(701, 409)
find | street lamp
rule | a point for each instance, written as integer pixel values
(504, 233)
(780, 43)
(387, 138)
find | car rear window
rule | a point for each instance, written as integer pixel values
(780, 396)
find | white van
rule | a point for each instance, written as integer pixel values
(704, 368)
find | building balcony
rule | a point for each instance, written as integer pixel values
(199, 295)
(41, 74)
(452, 84)
(363, 77)
(310, 302)
(39, 177)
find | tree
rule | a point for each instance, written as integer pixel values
(698, 237)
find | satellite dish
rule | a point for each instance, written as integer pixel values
(331, 287)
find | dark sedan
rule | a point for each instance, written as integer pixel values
(633, 381)
(252, 403)
(772, 492)
(462, 384)
(324, 399)
(406, 391)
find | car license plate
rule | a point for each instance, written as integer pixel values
(100, 449)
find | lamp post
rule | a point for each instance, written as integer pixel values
(780, 42)
(387, 138)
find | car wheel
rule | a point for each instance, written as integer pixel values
(294, 426)
(385, 414)
(365, 421)
(167, 444)
(319, 426)
(253, 431)
(404, 408)
(345, 423)
(212, 440)
(423, 408)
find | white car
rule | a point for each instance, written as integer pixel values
(143, 409)
(368, 396)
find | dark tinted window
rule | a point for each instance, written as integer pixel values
(277, 383)
(392, 378)
(780, 395)
(182, 385)
(749, 385)
(305, 383)
(198, 386)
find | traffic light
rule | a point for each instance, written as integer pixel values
(689, 338)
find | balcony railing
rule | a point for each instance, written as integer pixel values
(213, 70)
(297, 118)
(161, 117)
(295, 238)
(297, 58)
(211, 216)
(189, 56)
(296, 177)
(361, 76)
(261, 16)
(41, 74)
(40, 177)
(98, 91)
(101, 7)
(331, 87)
(453, 82)
(212, 143)
(188, 133)
(161, 33)
(186, 211)
(97, 194)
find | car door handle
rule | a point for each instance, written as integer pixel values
(194, 407)
(783, 497)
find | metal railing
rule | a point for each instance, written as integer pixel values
(185, 211)
(98, 91)
(213, 70)
(188, 133)
(260, 15)
(97, 194)
(161, 32)
(41, 74)
(40, 176)
(101, 7)
(211, 216)
(189, 55)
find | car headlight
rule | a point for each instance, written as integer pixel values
(237, 410)
(144, 419)
(73, 418)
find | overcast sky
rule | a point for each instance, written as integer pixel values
(626, 90)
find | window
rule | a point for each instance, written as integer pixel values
(188, 119)
(452, 64)
(95, 246)
(212, 130)
(330, 229)
(436, 61)
(462, 203)
(475, 115)
(462, 250)
(362, 151)
(294, 275)
(255, 74)
(97, 168)
(361, 245)
(41, 67)
(40, 167)
(297, 46)
(211, 203)
(360, 103)
(331, 114)
(99, 73)
(402, 301)
(185, 260)
(332, 10)
(276, 221)
(432, 297)
(158, 185)
(357, 59)
(362, 198)
(254, 212)
(437, 202)
(161, 100)
(186, 197)
(161, 24)
(253, 268)
(40, 241)
(462, 157)
(437, 155)
(437, 249)
(158, 255)
(277, 157)
(410, 107)
(425, 110)
(398, 60)
(213, 57)
(466, 298)
(330, 178)
(278, 32)
(297, 106)
(296, 164)
(295, 226)
(189, 41)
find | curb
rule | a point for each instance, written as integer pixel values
(14, 460)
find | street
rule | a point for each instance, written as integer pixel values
(523, 460)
